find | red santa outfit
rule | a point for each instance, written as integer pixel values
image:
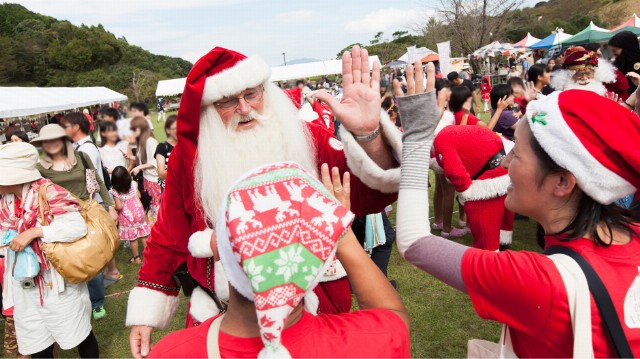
(182, 232)
(470, 157)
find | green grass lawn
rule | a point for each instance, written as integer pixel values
(442, 319)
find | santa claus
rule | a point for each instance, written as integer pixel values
(583, 70)
(231, 120)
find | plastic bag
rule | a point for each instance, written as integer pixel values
(23, 265)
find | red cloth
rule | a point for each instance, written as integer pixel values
(525, 291)
(472, 120)
(485, 88)
(325, 116)
(179, 218)
(522, 102)
(486, 219)
(90, 121)
(619, 86)
(373, 333)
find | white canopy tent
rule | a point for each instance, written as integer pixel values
(170, 87)
(278, 73)
(420, 53)
(27, 101)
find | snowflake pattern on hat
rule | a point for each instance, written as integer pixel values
(283, 227)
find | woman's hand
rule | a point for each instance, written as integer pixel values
(20, 242)
(113, 213)
(340, 189)
(135, 170)
(530, 91)
(415, 80)
(359, 110)
(635, 78)
(505, 102)
(612, 96)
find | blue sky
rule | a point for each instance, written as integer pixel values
(189, 28)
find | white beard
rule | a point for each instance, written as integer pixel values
(225, 154)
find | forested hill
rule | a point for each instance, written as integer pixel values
(39, 50)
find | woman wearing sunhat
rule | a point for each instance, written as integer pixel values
(47, 309)
(574, 155)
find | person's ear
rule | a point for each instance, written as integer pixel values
(564, 184)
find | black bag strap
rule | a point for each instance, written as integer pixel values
(84, 160)
(602, 299)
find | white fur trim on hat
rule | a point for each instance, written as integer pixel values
(363, 167)
(563, 146)
(200, 244)
(202, 306)
(150, 307)
(247, 73)
(506, 237)
(220, 281)
(485, 189)
(311, 303)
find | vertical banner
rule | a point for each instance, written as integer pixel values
(411, 54)
(444, 52)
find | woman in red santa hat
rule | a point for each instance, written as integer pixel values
(575, 154)
(232, 119)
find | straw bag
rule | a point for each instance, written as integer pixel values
(82, 260)
(579, 298)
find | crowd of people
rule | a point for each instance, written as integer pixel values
(269, 209)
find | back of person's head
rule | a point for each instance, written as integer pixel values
(121, 180)
(140, 106)
(299, 82)
(76, 118)
(20, 135)
(105, 127)
(535, 72)
(169, 122)
(592, 47)
(453, 76)
(111, 112)
(515, 81)
(499, 91)
(459, 95)
(441, 84)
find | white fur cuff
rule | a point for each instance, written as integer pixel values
(485, 189)
(220, 281)
(506, 237)
(363, 167)
(200, 244)
(150, 307)
(202, 306)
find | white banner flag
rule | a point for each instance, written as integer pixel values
(444, 52)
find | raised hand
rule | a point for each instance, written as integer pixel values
(415, 80)
(340, 189)
(359, 110)
(530, 91)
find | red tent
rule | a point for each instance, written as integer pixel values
(633, 21)
(430, 58)
(526, 42)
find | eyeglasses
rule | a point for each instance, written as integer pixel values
(251, 96)
(584, 73)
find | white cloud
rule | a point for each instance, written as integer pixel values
(384, 20)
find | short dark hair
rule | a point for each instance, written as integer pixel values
(21, 135)
(140, 106)
(169, 122)
(536, 71)
(594, 46)
(452, 76)
(459, 95)
(111, 112)
(77, 118)
(441, 84)
(121, 180)
(499, 91)
(591, 214)
(299, 82)
(516, 80)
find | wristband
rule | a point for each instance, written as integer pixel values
(368, 137)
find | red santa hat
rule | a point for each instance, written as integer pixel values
(577, 58)
(470, 157)
(593, 137)
(277, 236)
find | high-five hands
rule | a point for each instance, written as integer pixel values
(359, 110)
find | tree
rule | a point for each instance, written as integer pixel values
(472, 24)
(377, 38)
(399, 34)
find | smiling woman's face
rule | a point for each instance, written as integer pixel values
(53, 147)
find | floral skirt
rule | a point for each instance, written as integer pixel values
(154, 190)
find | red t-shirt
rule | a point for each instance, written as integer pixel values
(525, 291)
(373, 333)
(472, 120)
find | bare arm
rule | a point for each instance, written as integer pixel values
(162, 168)
(503, 103)
(118, 203)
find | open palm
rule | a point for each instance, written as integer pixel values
(359, 110)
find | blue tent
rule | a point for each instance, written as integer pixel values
(551, 41)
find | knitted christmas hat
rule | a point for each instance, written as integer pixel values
(593, 137)
(278, 234)
(464, 151)
(577, 58)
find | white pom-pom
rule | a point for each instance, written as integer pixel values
(200, 244)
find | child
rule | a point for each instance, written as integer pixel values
(113, 151)
(133, 223)
(485, 91)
